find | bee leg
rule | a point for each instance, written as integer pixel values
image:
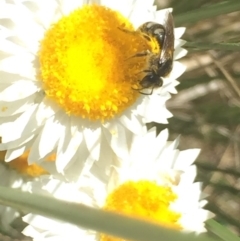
(144, 71)
(146, 93)
(140, 54)
(126, 30)
(147, 71)
(151, 90)
(139, 90)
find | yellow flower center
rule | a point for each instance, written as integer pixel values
(86, 63)
(144, 200)
(21, 165)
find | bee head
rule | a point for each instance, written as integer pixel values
(151, 80)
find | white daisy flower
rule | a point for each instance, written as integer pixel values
(67, 77)
(155, 184)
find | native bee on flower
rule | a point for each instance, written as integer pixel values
(158, 64)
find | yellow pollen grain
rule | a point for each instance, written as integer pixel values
(21, 165)
(4, 108)
(144, 200)
(86, 65)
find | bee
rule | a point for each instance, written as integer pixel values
(159, 64)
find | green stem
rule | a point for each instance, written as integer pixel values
(207, 12)
(94, 219)
(210, 46)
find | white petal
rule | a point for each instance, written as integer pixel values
(12, 154)
(153, 109)
(32, 232)
(25, 28)
(50, 167)
(23, 126)
(186, 158)
(130, 121)
(101, 168)
(74, 124)
(19, 90)
(142, 12)
(178, 70)
(189, 176)
(11, 109)
(12, 11)
(79, 164)
(10, 47)
(168, 86)
(179, 53)
(119, 140)
(46, 13)
(23, 65)
(166, 158)
(46, 140)
(46, 109)
(92, 138)
(178, 43)
(59, 189)
(67, 147)
(161, 15)
(69, 6)
(161, 140)
(178, 32)
(147, 145)
(124, 7)
(71, 167)
(5, 32)
(15, 144)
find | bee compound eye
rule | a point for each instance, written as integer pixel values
(146, 82)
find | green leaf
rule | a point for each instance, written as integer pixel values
(210, 46)
(94, 219)
(207, 12)
(221, 231)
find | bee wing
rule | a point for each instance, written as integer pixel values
(168, 43)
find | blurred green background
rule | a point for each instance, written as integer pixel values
(207, 107)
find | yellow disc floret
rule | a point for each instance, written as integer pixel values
(145, 200)
(86, 63)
